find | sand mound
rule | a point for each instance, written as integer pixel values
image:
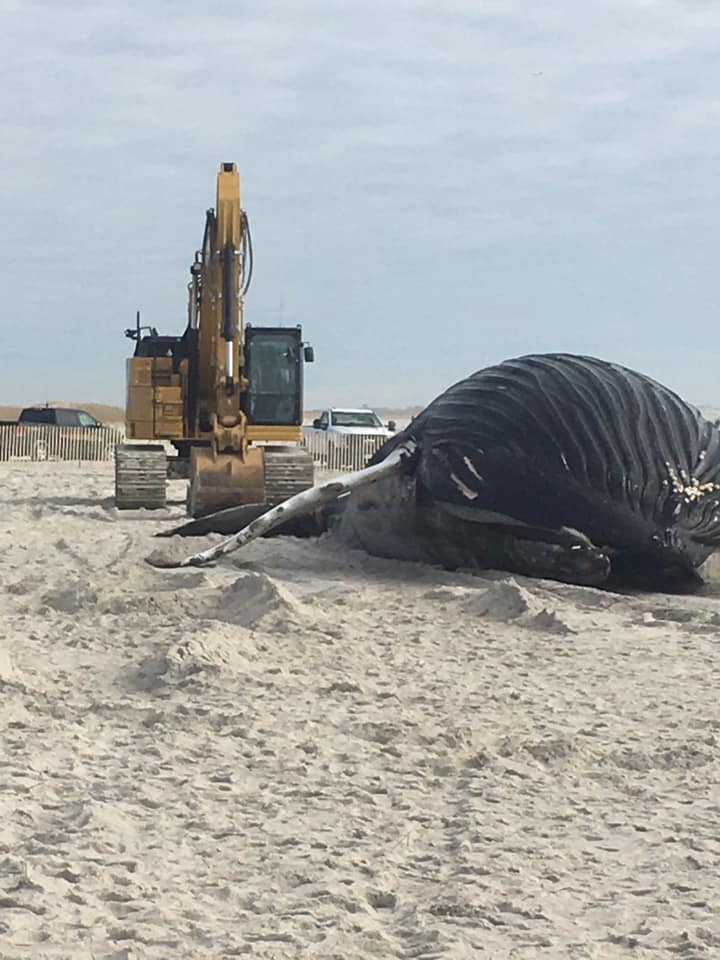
(220, 623)
(202, 657)
(70, 598)
(193, 595)
(253, 597)
(502, 601)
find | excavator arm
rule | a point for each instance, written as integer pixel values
(219, 317)
(227, 464)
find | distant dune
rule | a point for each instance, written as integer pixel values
(105, 412)
(111, 414)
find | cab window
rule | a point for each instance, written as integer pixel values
(274, 374)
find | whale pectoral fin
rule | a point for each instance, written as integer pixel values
(301, 505)
(225, 521)
(232, 519)
(472, 536)
(565, 536)
(557, 559)
(479, 514)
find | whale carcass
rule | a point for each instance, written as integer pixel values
(549, 465)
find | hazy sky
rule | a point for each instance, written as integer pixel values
(432, 186)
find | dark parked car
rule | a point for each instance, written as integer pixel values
(58, 416)
(35, 435)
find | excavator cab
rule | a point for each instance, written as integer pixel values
(274, 368)
(227, 395)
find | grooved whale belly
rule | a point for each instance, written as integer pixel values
(557, 442)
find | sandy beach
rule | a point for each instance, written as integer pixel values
(307, 752)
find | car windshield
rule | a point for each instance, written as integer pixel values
(351, 418)
(86, 420)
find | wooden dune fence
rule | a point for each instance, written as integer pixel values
(38, 442)
(341, 453)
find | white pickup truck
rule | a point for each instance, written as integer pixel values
(342, 438)
(344, 421)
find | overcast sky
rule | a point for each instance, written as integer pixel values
(432, 186)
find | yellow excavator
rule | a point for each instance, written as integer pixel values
(226, 395)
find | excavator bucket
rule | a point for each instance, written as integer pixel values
(222, 480)
(262, 475)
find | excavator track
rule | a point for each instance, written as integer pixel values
(288, 470)
(140, 476)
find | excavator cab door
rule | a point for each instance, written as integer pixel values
(274, 369)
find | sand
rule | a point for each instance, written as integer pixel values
(307, 752)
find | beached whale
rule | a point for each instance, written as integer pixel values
(550, 465)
